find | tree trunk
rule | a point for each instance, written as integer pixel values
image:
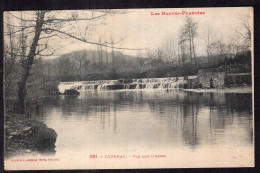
(194, 53)
(29, 62)
(179, 59)
(208, 56)
(190, 54)
(106, 57)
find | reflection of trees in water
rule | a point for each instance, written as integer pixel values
(220, 114)
(115, 122)
(217, 117)
(190, 114)
(190, 117)
(69, 103)
(105, 109)
(237, 110)
(239, 102)
(48, 103)
(180, 111)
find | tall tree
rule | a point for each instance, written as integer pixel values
(209, 37)
(40, 26)
(113, 57)
(244, 30)
(30, 60)
(188, 33)
(100, 50)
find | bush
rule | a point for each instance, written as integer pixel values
(71, 92)
(51, 88)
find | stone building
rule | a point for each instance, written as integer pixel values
(214, 78)
(211, 79)
(192, 82)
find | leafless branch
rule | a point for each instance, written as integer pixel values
(85, 41)
(73, 19)
(48, 36)
(46, 54)
(6, 33)
(28, 20)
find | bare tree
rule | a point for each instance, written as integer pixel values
(244, 30)
(41, 26)
(113, 57)
(169, 50)
(183, 56)
(11, 50)
(236, 44)
(100, 49)
(188, 33)
(100, 54)
(220, 50)
(106, 57)
(209, 36)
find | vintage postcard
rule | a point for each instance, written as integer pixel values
(129, 88)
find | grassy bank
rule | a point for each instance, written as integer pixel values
(25, 134)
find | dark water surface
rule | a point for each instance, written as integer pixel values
(149, 119)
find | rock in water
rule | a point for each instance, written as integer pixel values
(46, 139)
(32, 136)
(71, 92)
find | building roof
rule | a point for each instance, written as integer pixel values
(192, 77)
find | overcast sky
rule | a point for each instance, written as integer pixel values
(143, 30)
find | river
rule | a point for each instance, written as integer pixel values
(133, 121)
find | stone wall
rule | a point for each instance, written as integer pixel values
(233, 79)
(218, 79)
(222, 79)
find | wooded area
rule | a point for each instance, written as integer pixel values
(28, 74)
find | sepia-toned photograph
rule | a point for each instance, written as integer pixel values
(128, 88)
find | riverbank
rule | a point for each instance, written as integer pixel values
(25, 134)
(246, 89)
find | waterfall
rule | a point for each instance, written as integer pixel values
(144, 83)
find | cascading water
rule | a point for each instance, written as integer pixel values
(146, 83)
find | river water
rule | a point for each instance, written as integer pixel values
(132, 121)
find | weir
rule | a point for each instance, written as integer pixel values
(144, 83)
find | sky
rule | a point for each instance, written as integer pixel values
(142, 30)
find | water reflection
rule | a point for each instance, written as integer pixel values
(150, 119)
